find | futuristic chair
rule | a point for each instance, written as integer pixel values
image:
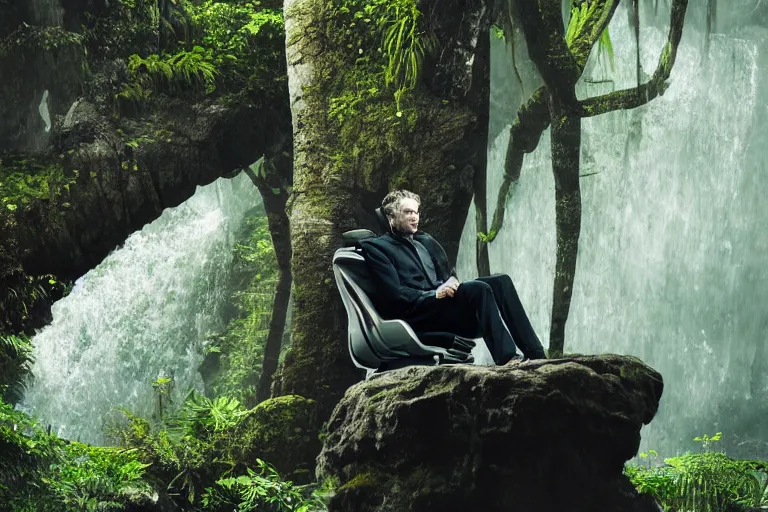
(376, 344)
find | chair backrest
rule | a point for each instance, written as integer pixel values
(383, 222)
(352, 280)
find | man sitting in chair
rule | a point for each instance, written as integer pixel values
(416, 283)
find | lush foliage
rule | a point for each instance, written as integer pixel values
(20, 293)
(240, 347)
(197, 451)
(702, 482)
(384, 43)
(40, 472)
(262, 490)
(23, 181)
(25, 451)
(25, 184)
(195, 48)
(15, 362)
(193, 69)
(194, 452)
(246, 42)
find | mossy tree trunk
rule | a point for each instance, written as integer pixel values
(566, 146)
(353, 143)
(481, 222)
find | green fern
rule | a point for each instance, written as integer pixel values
(263, 490)
(405, 46)
(135, 92)
(703, 482)
(579, 17)
(192, 69)
(15, 363)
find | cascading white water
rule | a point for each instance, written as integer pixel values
(142, 314)
(672, 262)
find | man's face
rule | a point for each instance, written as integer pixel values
(406, 218)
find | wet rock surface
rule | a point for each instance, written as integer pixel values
(532, 436)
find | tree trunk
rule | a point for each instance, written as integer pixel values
(481, 223)
(481, 92)
(272, 185)
(566, 147)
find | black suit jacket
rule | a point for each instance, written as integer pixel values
(402, 283)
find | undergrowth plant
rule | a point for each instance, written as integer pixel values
(15, 362)
(39, 472)
(262, 490)
(702, 482)
(239, 348)
(386, 41)
(202, 456)
(206, 47)
(170, 73)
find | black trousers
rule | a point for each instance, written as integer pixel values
(482, 307)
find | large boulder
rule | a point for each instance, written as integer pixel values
(532, 436)
(283, 431)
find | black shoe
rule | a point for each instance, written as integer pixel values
(515, 357)
(539, 354)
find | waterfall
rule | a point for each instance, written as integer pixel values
(47, 12)
(672, 261)
(142, 314)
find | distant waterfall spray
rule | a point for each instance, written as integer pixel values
(47, 12)
(672, 264)
(143, 313)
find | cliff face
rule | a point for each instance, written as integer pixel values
(113, 111)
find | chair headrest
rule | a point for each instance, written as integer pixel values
(351, 238)
(383, 221)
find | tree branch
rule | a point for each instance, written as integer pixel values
(589, 33)
(524, 135)
(636, 96)
(542, 25)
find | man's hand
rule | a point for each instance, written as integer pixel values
(448, 288)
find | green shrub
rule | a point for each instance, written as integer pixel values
(261, 490)
(96, 478)
(187, 450)
(208, 440)
(702, 482)
(40, 472)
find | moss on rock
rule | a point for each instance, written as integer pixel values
(284, 432)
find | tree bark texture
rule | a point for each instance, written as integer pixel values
(566, 150)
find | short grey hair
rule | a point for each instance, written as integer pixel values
(391, 202)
